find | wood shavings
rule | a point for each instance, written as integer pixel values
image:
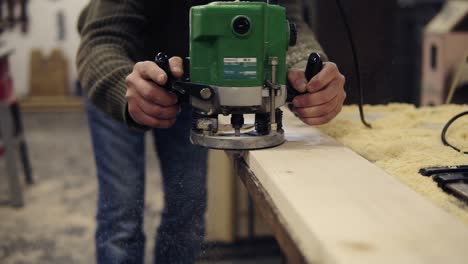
(403, 140)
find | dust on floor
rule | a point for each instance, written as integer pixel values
(57, 223)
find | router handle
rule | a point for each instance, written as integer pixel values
(162, 60)
(314, 66)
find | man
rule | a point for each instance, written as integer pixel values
(119, 41)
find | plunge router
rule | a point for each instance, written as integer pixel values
(237, 67)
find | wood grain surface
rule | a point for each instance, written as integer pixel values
(339, 208)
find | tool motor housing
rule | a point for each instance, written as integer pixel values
(231, 46)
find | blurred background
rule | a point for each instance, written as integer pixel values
(408, 51)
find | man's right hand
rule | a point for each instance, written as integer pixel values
(148, 103)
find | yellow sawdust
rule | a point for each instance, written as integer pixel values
(403, 140)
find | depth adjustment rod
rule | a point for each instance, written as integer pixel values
(273, 87)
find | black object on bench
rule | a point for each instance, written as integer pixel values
(452, 179)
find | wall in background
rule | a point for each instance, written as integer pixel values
(43, 34)
(387, 35)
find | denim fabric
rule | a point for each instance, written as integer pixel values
(120, 163)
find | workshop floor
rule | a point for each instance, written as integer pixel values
(57, 223)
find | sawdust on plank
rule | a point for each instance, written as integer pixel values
(403, 140)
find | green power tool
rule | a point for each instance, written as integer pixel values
(237, 66)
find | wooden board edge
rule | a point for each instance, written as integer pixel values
(268, 210)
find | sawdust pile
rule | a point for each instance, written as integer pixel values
(403, 140)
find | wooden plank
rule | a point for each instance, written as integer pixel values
(339, 208)
(227, 216)
(270, 212)
(220, 221)
(244, 228)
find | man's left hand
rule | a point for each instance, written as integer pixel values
(324, 95)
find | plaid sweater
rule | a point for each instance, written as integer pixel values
(115, 34)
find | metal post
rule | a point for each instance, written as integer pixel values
(274, 64)
(9, 142)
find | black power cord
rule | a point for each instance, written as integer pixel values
(361, 93)
(446, 127)
(356, 63)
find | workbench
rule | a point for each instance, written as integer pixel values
(327, 204)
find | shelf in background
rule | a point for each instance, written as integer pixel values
(51, 103)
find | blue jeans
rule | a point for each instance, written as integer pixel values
(120, 161)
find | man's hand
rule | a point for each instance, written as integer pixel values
(325, 94)
(148, 103)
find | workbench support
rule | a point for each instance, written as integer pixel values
(270, 213)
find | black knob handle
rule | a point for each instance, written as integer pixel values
(162, 60)
(314, 66)
(292, 34)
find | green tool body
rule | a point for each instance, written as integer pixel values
(231, 43)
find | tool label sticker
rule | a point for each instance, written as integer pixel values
(240, 68)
